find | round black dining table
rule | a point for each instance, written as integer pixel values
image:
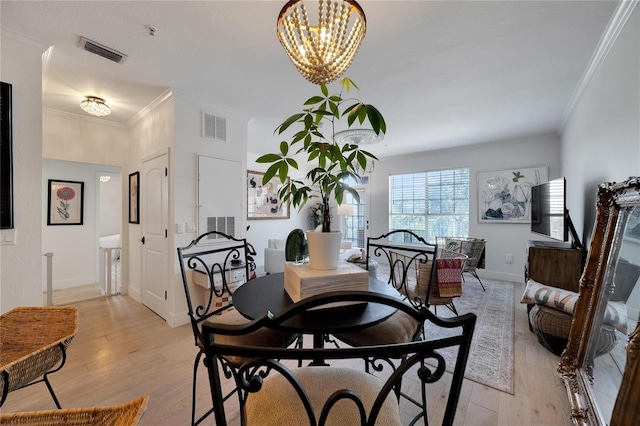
(267, 294)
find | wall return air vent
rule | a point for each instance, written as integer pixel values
(102, 50)
(214, 127)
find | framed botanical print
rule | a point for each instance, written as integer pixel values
(505, 196)
(65, 204)
(262, 200)
(134, 197)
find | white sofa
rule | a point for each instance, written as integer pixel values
(274, 256)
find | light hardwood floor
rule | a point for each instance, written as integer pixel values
(123, 350)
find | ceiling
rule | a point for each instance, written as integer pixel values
(443, 73)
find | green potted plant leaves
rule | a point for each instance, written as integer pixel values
(314, 130)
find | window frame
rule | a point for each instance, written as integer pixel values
(460, 212)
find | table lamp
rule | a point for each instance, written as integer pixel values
(345, 210)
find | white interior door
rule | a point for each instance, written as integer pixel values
(155, 249)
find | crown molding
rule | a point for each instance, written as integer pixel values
(83, 117)
(607, 41)
(22, 39)
(164, 97)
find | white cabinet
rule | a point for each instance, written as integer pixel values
(235, 277)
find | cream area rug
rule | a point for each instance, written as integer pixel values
(491, 357)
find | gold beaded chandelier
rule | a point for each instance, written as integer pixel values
(322, 52)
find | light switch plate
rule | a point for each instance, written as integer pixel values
(8, 237)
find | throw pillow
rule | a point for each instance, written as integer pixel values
(565, 300)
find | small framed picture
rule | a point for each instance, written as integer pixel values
(65, 202)
(134, 197)
(262, 200)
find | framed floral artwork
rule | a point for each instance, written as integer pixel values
(262, 200)
(505, 196)
(65, 202)
(134, 197)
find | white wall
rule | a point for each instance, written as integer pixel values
(83, 139)
(189, 143)
(74, 247)
(110, 204)
(20, 270)
(152, 133)
(601, 141)
(533, 151)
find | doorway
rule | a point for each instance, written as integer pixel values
(75, 249)
(357, 225)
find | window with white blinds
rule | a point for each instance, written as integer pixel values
(430, 203)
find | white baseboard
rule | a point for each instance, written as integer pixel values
(177, 319)
(500, 276)
(134, 293)
(74, 282)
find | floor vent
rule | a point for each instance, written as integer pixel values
(214, 127)
(102, 50)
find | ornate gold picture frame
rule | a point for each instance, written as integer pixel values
(610, 279)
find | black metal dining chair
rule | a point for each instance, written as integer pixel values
(274, 392)
(213, 260)
(404, 252)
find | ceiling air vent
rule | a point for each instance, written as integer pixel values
(214, 127)
(102, 50)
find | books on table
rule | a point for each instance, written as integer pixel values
(301, 281)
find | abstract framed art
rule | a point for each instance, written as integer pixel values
(134, 197)
(505, 196)
(65, 204)
(262, 200)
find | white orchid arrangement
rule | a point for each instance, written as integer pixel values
(316, 213)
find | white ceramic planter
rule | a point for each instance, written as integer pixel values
(324, 249)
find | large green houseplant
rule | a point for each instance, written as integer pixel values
(314, 130)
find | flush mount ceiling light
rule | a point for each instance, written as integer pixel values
(358, 137)
(95, 106)
(322, 52)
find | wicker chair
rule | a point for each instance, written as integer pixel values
(421, 285)
(472, 248)
(126, 414)
(33, 340)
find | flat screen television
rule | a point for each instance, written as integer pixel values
(549, 215)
